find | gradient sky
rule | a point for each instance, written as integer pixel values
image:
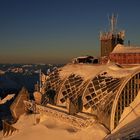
(55, 31)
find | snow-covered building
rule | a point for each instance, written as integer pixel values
(101, 90)
(125, 54)
(85, 59)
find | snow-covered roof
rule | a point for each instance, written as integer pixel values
(88, 71)
(126, 49)
(84, 70)
(83, 57)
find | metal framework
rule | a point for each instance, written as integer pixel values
(105, 93)
(124, 97)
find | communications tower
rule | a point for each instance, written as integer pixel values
(111, 38)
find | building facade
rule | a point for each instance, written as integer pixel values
(108, 43)
(125, 55)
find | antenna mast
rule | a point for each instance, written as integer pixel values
(113, 23)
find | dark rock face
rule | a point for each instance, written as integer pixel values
(5, 113)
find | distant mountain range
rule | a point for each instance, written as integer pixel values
(12, 78)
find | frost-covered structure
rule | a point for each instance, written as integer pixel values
(101, 90)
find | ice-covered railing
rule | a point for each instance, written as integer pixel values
(79, 122)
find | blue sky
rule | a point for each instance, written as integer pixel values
(55, 31)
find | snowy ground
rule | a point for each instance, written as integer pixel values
(52, 129)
